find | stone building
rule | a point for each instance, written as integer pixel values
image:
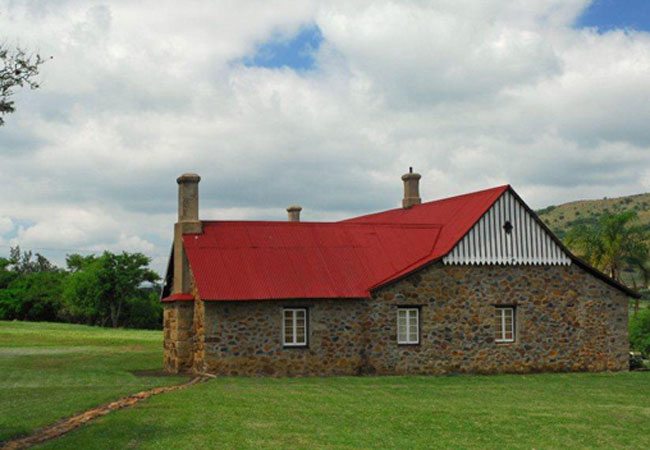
(468, 284)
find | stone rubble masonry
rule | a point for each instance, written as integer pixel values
(178, 336)
(566, 320)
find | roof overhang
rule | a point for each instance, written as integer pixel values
(178, 298)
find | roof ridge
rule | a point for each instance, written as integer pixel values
(359, 219)
(337, 224)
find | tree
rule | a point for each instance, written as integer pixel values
(101, 288)
(81, 296)
(30, 289)
(640, 332)
(17, 69)
(640, 260)
(23, 264)
(6, 275)
(76, 262)
(36, 296)
(612, 243)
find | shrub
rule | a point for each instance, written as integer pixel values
(640, 332)
(35, 296)
(144, 311)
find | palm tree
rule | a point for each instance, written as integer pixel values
(613, 242)
(640, 260)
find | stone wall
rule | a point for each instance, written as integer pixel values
(567, 320)
(245, 338)
(178, 336)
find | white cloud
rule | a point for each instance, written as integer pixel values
(472, 94)
(6, 225)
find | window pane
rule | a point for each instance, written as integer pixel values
(401, 325)
(300, 315)
(413, 325)
(509, 322)
(288, 326)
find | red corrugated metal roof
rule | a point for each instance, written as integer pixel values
(454, 215)
(248, 260)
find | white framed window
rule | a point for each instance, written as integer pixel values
(504, 324)
(294, 327)
(408, 326)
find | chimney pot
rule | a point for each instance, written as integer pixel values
(294, 213)
(411, 189)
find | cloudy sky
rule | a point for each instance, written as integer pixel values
(324, 104)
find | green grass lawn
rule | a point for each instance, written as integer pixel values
(50, 371)
(509, 411)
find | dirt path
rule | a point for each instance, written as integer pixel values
(66, 425)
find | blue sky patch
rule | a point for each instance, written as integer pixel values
(296, 51)
(608, 15)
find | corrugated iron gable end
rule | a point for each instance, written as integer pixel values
(507, 234)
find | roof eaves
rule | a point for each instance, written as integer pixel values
(420, 263)
(355, 297)
(401, 276)
(178, 297)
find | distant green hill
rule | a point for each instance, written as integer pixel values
(560, 218)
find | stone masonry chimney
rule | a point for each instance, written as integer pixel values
(411, 189)
(188, 222)
(294, 213)
(178, 314)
